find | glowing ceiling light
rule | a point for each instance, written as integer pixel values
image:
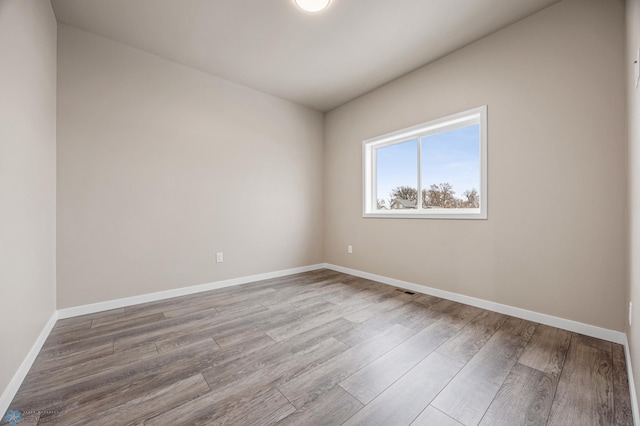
(312, 5)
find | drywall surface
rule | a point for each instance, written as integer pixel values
(27, 177)
(555, 238)
(160, 167)
(633, 131)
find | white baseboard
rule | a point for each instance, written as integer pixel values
(183, 291)
(13, 387)
(15, 383)
(586, 329)
(578, 327)
(632, 385)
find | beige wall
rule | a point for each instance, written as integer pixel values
(27, 177)
(555, 240)
(633, 126)
(161, 166)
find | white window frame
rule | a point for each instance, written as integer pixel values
(451, 122)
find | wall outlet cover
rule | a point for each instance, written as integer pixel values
(636, 69)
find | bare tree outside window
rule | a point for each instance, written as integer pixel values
(437, 196)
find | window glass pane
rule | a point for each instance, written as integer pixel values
(450, 168)
(397, 176)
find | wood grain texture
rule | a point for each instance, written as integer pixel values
(208, 409)
(331, 408)
(309, 386)
(468, 396)
(413, 315)
(223, 404)
(291, 329)
(592, 341)
(402, 402)
(319, 348)
(524, 399)
(136, 410)
(373, 379)
(473, 336)
(456, 313)
(519, 327)
(432, 417)
(547, 350)
(621, 397)
(377, 309)
(63, 374)
(586, 367)
(271, 410)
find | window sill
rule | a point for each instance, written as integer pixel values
(473, 214)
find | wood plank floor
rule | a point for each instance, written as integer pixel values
(320, 348)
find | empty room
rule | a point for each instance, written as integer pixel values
(319, 212)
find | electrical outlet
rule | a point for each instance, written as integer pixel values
(630, 313)
(219, 257)
(349, 249)
(636, 69)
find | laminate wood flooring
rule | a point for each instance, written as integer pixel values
(320, 348)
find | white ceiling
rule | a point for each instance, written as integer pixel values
(319, 60)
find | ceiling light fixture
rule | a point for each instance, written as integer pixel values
(312, 5)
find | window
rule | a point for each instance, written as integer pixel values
(433, 170)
